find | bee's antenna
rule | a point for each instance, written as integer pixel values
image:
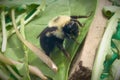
(38, 36)
(76, 17)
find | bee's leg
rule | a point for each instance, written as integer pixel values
(69, 37)
(47, 53)
(75, 40)
(60, 46)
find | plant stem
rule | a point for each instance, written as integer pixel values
(34, 70)
(14, 73)
(39, 9)
(4, 41)
(32, 47)
(25, 49)
(3, 76)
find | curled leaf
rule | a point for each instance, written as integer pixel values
(105, 46)
(110, 10)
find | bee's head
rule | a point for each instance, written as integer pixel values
(71, 29)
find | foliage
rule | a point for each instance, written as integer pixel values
(32, 27)
(108, 50)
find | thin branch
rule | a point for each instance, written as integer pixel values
(3, 76)
(34, 70)
(32, 47)
(5, 60)
(39, 9)
(4, 41)
(13, 72)
(25, 48)
(17, 19)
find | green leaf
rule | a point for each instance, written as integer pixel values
(115, 71)
(115, 2)
(14, 3)
(15, 49)
(55, 8)
(117, 44)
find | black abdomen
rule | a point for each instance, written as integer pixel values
(48, 43)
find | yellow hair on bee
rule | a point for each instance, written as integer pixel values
(58, 33)
(59, 21)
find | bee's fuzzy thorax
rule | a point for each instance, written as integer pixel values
(59, 21)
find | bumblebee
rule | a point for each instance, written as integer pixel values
(58, 29)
